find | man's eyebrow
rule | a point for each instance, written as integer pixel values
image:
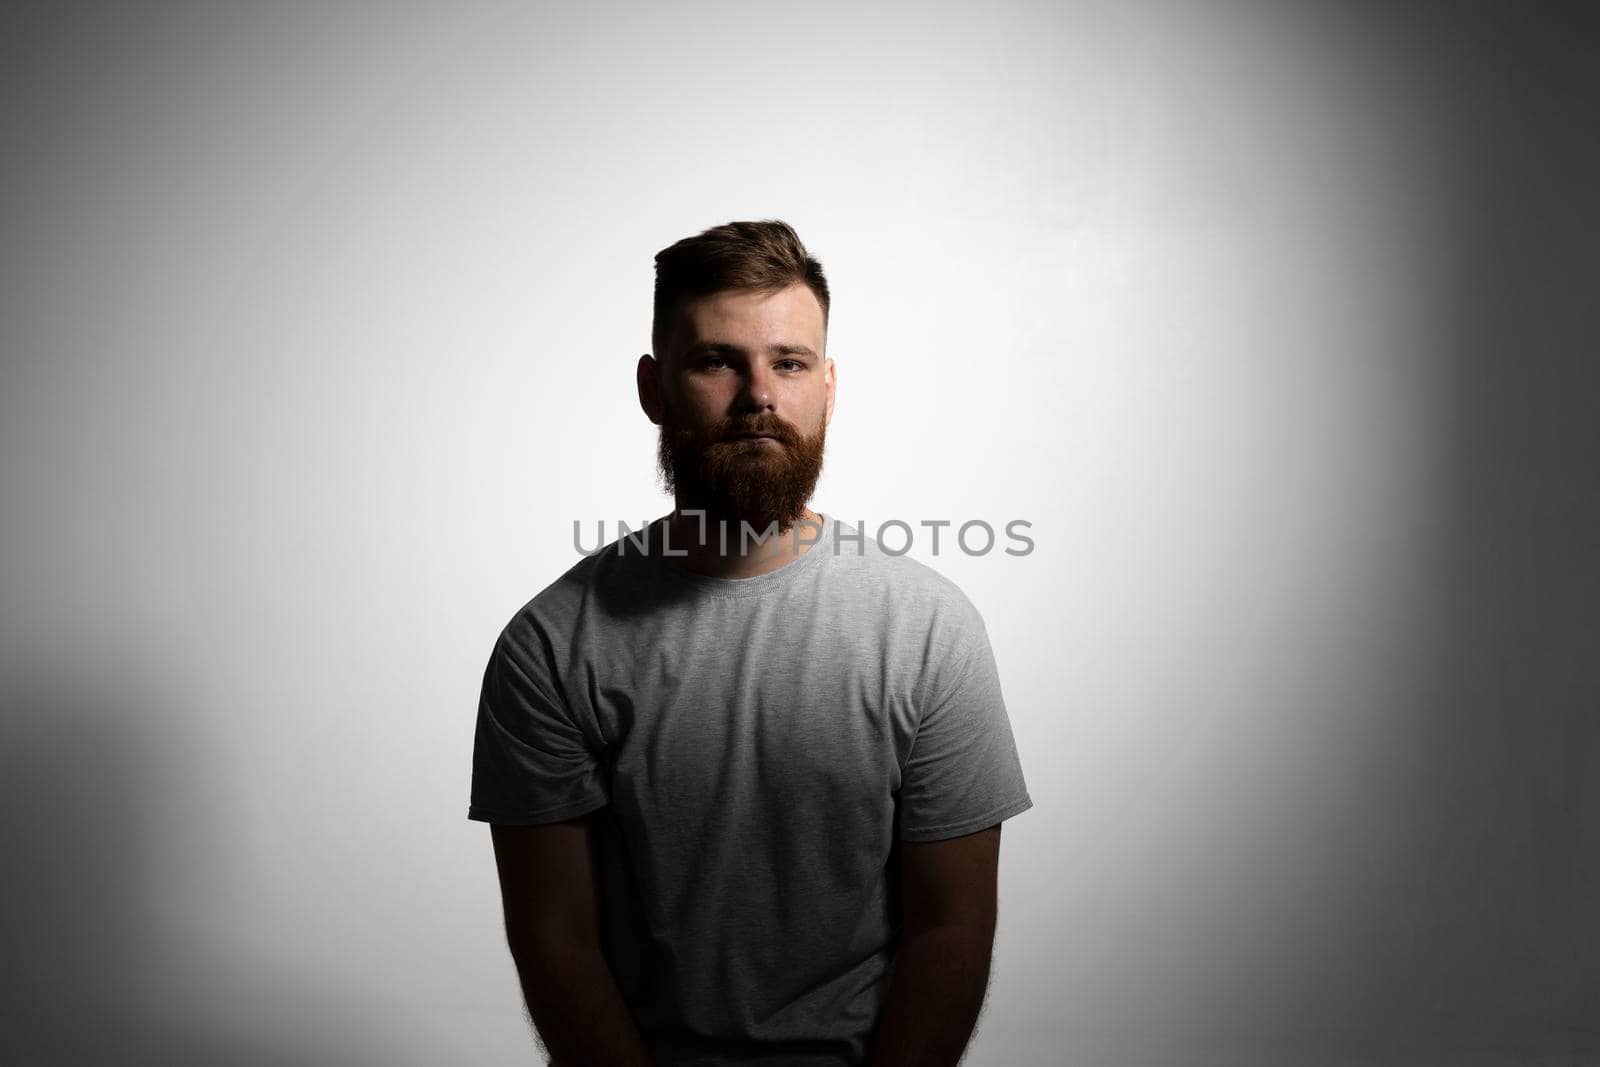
(775, 350)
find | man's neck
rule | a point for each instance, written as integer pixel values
(727, 548)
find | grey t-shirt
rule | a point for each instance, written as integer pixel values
(754, 749)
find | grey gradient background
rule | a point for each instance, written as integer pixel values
(1275, 319)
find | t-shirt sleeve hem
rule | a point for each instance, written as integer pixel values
(569, 810)
(968, 826)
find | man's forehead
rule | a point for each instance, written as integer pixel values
(790, 317)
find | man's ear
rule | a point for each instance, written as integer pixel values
(830, 382)
(648, 377)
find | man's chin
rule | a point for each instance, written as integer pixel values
(758, 483)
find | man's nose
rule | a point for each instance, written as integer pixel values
(757, 391)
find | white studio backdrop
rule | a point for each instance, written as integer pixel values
(319, 328)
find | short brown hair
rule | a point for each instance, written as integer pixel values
(763, 256)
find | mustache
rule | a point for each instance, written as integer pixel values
(770, 427)
(732, 429)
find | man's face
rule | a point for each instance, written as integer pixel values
(739, 364)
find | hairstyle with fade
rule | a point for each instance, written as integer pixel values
(763, 257)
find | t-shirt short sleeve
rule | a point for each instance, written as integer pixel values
(531, 763)
(963, 773)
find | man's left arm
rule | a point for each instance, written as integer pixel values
(941, 969)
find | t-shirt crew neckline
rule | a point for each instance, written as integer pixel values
(755, 585)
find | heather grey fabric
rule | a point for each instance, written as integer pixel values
(754, 748)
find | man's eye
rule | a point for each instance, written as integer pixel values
(792, 364)
(712, 362)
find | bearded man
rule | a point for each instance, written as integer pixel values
(746, 791)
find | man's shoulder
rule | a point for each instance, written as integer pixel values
(552, 609)
(864, 561)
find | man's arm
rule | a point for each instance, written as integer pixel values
(941, 968)
(551, 895)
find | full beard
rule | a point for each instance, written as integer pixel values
(736, 481)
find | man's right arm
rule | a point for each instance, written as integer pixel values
(550, 891)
